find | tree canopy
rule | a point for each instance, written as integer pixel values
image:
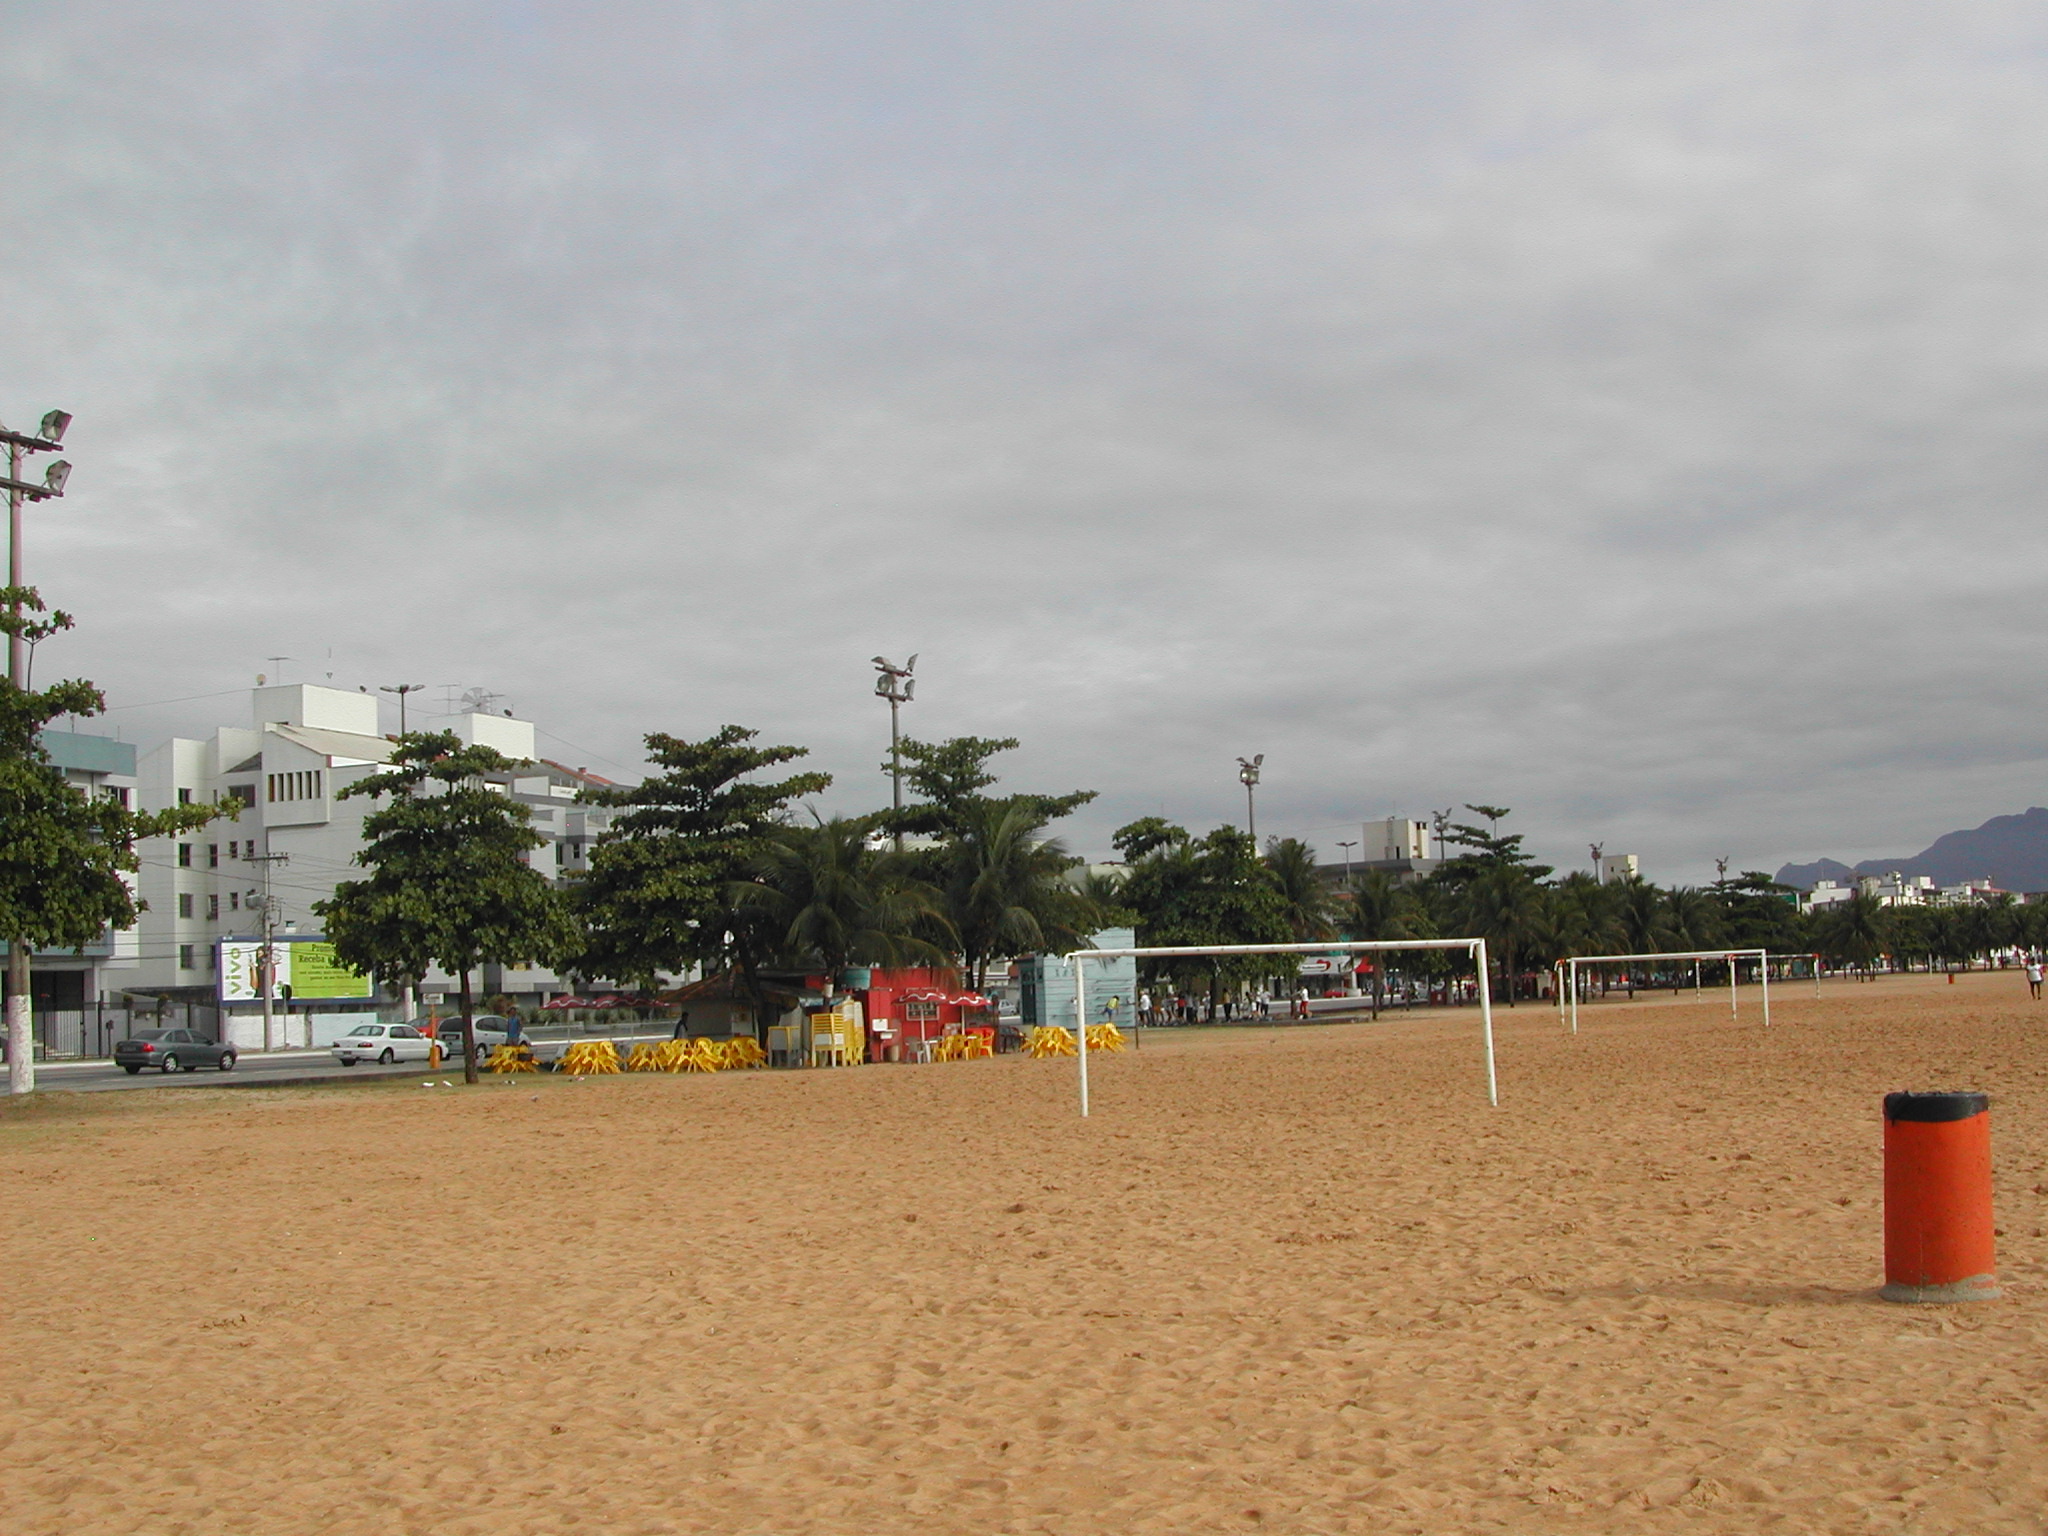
(449, 884)
(62, 854)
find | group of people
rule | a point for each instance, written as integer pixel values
(1180, 1008)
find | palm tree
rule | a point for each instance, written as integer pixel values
(1852, 931)
(1292, 864)
(1382, 908)
(831, 898)
(1507, 909)
(1006, 890)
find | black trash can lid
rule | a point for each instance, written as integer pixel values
(1926, 1107)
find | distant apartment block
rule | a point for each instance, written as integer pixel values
(286, 770)
(1896, 890)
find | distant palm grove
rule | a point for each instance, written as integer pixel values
(709, 862)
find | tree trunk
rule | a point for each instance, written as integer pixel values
(468, 1032)
(21, 1045)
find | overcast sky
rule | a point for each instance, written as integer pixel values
(1633, 415)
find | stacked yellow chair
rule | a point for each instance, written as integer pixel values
(590, 1058)
(1050, 1040)
(513, 1058)
(1105, 1037)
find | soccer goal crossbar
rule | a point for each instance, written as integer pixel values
(1569, 974)
(1476, 948)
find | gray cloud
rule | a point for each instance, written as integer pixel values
(1633, 416)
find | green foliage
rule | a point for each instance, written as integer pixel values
(1309, 908)
(824, 896)
(1207, 891)
(1488, 849)
(949, 777)
(657, 897)
(448, 882)
(62, 855)
(1007, 890)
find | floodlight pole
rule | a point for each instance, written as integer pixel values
(1347, 847)
(897, 686)
(1248, 775)
(21, 1048)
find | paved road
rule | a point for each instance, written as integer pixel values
(254, 1068)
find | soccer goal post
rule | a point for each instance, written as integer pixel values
(1476, 948)
(1570, 974)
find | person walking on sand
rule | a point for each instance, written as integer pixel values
(2034, 976)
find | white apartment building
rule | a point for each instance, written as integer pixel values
(304, 745)
(1893, 889)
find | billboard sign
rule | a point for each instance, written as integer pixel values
(305, 964)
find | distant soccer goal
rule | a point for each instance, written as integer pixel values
(1568, 975)
(1476, 948)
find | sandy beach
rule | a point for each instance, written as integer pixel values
(1284, 1280)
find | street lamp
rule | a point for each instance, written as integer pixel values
(1347, 847)
(1248, 776)
(46, 439)
(897, 686)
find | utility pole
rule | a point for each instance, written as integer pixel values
(1347, 847)
(1248, 775)
(21, 1050)
(402, 690)
(266, 967)
(897, 686)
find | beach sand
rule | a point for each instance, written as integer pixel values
(1286, 1280)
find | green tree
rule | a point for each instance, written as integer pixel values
(1383, 908)
(1758, 913)
(828, 897)
(1507, 908)
(62, 855)
(1309, 907)
(1201, 891)
(1852, 932)
(949, 777)
(1007, 890)
(658, 897)
(448, 884)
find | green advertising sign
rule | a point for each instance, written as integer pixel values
(317, 975)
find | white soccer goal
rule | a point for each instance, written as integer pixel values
(1568, 975)
(1473, 947)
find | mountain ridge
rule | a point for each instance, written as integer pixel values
(2010, 851)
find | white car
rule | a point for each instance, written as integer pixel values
(381, 1043)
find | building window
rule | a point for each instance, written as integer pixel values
(234, 901)
(184, 957)
(246, 793)
(303, 784)
(213, 855)
(212, 908)
(184, 903)
(184, 855)
(117, 794)
(184, 797)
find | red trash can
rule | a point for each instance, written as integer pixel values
(1937, 1198)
